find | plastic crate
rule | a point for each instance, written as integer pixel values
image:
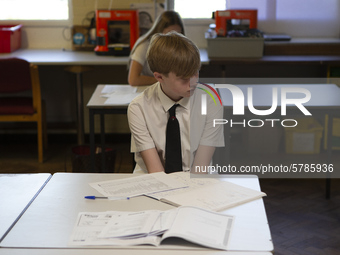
(81, 160)
(237, 47)
(10, 38)
(305, 138)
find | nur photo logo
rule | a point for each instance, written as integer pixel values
(210, 91)
(240, 102)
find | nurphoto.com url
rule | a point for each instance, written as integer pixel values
(263, 169)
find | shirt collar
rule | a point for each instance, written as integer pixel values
(167, 103)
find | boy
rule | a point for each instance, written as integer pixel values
(175, 62)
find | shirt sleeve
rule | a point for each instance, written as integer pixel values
(140, 136)
(139, 54)
(213, 136)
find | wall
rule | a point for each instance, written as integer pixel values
(56, 36)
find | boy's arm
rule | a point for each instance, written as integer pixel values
(202, 158)
(142, 141)
(152, 161)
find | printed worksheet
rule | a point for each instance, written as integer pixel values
(138, 185)
(88, 227)
(98, 228)
(134, 224)
(138, 224)
(185, 179)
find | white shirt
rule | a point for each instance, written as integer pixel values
(139, 55)
(148, 116)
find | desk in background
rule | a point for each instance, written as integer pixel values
(267, 66)
(299, 57)
(325, 99)
(17, 192)
(96, 106)
(48, 223)
(284, 65)
(76, 62)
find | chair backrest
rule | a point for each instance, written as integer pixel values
(14, 75)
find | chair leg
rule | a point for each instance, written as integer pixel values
(44, 121)
(40, 142)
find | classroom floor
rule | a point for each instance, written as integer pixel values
(301, 219)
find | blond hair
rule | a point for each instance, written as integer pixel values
(163, 21)
(173, 52)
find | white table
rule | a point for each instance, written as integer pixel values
(17, 192)
(48, 222)
(121, 251)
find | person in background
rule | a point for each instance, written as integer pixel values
(175, 63)
(139, 71)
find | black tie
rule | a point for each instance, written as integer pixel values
(173, 153)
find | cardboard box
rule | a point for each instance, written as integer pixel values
(10, 38)
(235, 47)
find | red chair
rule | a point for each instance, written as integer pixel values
(17, 76)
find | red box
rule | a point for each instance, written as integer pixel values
(222, 17)
(10, 38)
(107, 22)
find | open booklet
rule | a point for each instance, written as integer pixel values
(152, 227)
(209, 193)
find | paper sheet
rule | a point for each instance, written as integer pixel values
(136, 186)
(134, 224)
(215, 197)
(119, 94)
(89, 226)
(202, 227)
(120, 98)
(108, 89)
(185, 179)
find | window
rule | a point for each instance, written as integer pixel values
(299, 18)
(311, 10)
(35, 10)
(191, 9)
